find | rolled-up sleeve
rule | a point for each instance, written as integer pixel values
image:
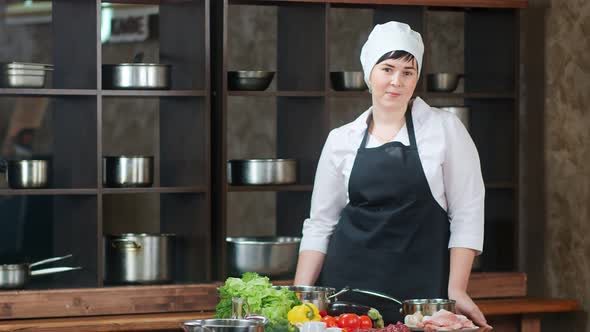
(327, 200)
(464, 187)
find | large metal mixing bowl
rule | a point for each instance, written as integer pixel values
(268, 256)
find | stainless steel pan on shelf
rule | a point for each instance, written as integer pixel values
(14, 276)
(261, 171)
(127, 171)
(26, 173)
(136, 75)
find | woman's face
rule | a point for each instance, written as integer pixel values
(393, 82)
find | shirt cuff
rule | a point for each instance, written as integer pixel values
(471, 242)
(317, 243)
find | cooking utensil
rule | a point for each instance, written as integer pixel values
(269, 256)
(348, 80)
(323, 296)
(23, 75)
(26, 173)
(14, 276)
(127, 171)
(261, 171)
(139, 258)
(251, 323)
(443, 82)
(252, 80)
(461, 112)
(136, 75)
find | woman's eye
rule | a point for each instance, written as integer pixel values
(386, 69)
(408, 73)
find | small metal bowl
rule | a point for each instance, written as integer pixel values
(443, 82)
(348, 80)
(249, 80)
(262, 171)
(427, 306)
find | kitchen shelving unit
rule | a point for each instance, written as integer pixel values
(304, 97)
(74, 215)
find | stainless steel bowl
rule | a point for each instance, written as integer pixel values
(139, 258)
(127, 171)
(461, 112)
(443, 82)
(319, 296)
(427, 306)
(269, 256)
(348, 80)
(143, 76)
(261, 171)
(225, 325)
(25, 174)
(252, 80)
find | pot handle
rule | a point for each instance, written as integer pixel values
(260, 318)
(53, 270)
(50, 260)
(368, 292)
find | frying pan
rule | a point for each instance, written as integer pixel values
(13, 276)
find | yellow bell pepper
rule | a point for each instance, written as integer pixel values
(306, 312)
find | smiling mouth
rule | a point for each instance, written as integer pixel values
(393, 94)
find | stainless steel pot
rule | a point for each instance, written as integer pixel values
(14, 276)
(269, 256)
(23, 75)
(127, 171)
(26, 174)
(427, 306)
(348, 80)
(139, 258)
(261, 171)
(461, 112)
(252, 323)
(136, 75)
(443, 82)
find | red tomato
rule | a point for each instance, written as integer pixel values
(330, 321)
(350, 322)
(323, 313)
(366, 322)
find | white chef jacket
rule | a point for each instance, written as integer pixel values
(450, 161)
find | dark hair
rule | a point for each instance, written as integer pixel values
(395, 55)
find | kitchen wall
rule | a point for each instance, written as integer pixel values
(556, 248)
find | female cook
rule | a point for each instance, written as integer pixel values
(398, 199)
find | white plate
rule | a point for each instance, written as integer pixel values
(467, 329)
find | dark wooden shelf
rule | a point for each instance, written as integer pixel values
(468, 95)
(154, 93)
(74, 191)
(500, 185)
(440, 3)
(275, 93)
(47, 92)
(293, 187)
(161, 190)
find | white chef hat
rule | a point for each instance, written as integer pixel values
(388, 37)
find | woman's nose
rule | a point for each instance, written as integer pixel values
(396, 79)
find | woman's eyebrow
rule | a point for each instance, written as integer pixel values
(392, 66)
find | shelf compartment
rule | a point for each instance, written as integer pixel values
(162, 190)
(233, 93)
(154, 93)
(47, 92)
(40, 192)
(294, 187)
(292, 209)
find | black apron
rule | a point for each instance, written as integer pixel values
(392, 236)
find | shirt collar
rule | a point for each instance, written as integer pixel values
(418, 110)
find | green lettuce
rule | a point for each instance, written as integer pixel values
(261, 297)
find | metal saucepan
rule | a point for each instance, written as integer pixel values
(443, 82)
(262, 171)
(348, 80)
(136, 75)
(272, 256)
(139, 258)
(23, 75)
(13, 276)
(323, 296)
(251, 323)
(249, 80)
(27, 173)
(127, 171)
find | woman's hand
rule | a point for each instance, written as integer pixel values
(465, 306)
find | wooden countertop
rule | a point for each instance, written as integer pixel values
(172, 321)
